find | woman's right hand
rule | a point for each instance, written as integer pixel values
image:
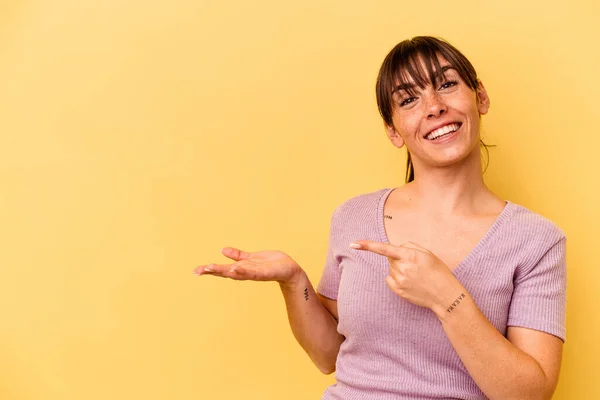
(267, 265)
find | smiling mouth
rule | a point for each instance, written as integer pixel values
(443, 131)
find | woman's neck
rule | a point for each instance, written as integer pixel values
(454, 190)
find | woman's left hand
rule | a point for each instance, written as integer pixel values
(417, 275)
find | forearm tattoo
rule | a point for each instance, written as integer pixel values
(306, 294)
(456, 303)
(387, 216)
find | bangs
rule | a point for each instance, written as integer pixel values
(415, 68)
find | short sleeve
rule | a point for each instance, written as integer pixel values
(330, 278)
(539, 296)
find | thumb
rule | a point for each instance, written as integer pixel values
(235, 254)
(413, 245)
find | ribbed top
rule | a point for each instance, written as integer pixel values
(396, 350)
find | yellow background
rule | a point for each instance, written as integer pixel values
(140, 137)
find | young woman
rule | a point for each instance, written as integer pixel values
(437, 289)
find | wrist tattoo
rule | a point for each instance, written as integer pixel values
(456, 303)
(387, 216)
(306, 294)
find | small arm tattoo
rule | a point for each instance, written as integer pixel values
(456, 303)
(306, 294)
(387, 216)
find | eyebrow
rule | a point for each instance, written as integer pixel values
(437, 74)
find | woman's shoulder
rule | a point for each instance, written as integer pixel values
(533, 225)
(363, 201)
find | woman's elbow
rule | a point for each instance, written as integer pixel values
(326, 369)
(325, 364)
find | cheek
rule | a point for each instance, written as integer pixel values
(475, 115)
(406, 124)
(470, 103)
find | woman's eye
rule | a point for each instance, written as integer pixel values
(448, 84)
(407, 101)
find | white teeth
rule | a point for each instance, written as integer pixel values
(442, 131)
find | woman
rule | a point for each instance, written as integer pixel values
(437, 289)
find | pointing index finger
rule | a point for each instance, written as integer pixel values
(385, 249)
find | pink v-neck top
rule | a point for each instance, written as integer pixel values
(396, 350)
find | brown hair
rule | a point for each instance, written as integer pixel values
(403, 62)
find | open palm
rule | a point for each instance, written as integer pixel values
(266, 265)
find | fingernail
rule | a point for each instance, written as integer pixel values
(355, 245)
(208, 269)
(195, 273)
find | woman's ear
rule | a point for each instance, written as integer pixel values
(394, 135)
(483, 100)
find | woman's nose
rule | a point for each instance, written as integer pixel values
(435, 104)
